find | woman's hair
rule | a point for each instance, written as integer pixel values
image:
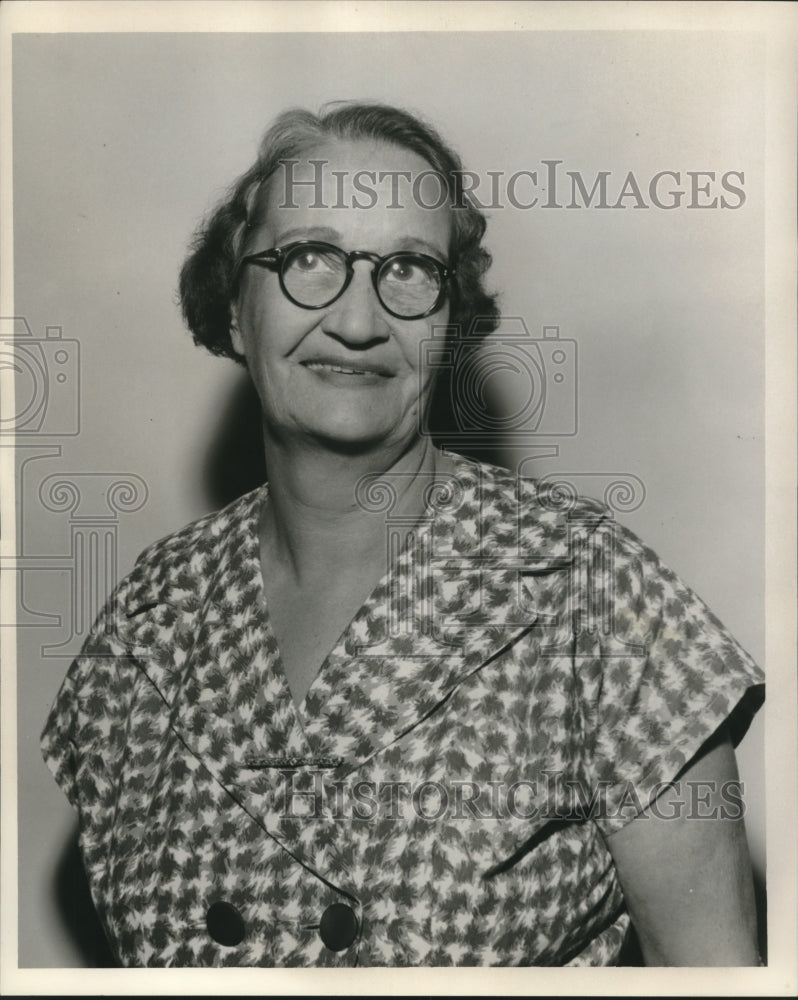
(208, 275)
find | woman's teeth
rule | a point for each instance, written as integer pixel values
(321, 366)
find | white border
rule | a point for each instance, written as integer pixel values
(779, 24)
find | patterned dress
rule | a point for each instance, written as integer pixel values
(521, 682)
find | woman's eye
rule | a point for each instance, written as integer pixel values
(307, 261)
(407, 271)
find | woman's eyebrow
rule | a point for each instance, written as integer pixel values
(310, 232)
(330, 235)
(419, 243)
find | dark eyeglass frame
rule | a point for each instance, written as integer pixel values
(275, 259)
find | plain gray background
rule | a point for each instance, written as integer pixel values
(121, 142)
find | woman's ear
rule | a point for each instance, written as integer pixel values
(235, 332)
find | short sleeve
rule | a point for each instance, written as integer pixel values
(669, 676)
(72, 732)
(58, 739)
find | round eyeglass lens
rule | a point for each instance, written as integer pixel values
(312, 275)
(409, 285)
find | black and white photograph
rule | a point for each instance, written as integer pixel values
(399, 490)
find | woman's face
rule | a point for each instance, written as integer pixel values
(347, 374)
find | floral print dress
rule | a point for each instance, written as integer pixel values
(520, 684)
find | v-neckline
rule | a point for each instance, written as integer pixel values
(413, 542)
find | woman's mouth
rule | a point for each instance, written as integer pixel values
(320, 365)
(369, 372)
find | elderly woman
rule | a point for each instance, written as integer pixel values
(395, 707)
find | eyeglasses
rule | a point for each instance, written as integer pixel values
(313, 275)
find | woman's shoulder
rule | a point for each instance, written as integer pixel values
(548, 506)
(192, 549)
(549, 522)
(170, 573)
(205, 530)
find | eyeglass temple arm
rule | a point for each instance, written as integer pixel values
(266, 258)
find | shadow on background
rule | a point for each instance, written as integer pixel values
(761, 897)
(445, 425)
(234, 464)
(76, 909)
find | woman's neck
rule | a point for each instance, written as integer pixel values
(320, 511)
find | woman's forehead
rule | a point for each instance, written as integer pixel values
(356, 189)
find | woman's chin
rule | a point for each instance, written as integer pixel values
(351, 443)
(354, 437)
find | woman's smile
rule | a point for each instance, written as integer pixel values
(349, 374)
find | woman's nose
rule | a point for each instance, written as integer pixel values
(357, 317)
